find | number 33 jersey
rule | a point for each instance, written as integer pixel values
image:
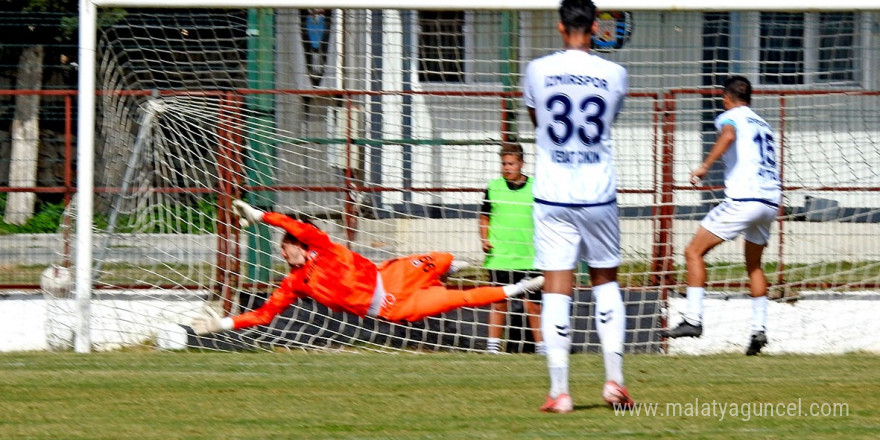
(750, 162)
(576, 96)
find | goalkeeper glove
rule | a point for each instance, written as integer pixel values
(211, 323)
(248, 215)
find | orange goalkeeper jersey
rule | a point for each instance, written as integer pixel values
(332, 275)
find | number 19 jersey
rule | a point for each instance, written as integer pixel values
(576, 97)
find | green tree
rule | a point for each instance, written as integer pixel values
(33, 25)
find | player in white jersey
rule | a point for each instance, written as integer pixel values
(753, 193)
(573, 98)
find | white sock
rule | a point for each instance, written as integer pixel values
(611, 326)
(613, 367)
(540, 348)
(759, 313)
(694, 313)
(556, 329)
(493, 345)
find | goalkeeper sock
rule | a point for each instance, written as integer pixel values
(759, 313)
(694, 313)
(556, 329)
(611, 326)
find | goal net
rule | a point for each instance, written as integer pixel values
(382, 127)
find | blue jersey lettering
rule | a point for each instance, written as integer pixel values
(575, 157)
(575, 80)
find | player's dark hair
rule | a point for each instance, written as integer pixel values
(292, 239)
(739, 88)
(512, 148)
(577, 15)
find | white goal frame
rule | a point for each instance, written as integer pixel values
(87, 68)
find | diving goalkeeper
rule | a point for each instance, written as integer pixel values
(400, 290)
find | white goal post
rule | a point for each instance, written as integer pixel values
(668, 115)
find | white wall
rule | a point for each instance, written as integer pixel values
(815, 326)
(810, 326)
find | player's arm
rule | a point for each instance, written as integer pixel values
(529, 95)
(623, 83)
(485, 210)
(280, 299)
(306, 233)
(484, 233)
(725, 139)
(211, 322)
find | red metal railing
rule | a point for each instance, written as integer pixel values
(663, 185)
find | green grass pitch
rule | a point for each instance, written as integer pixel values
(319, 395)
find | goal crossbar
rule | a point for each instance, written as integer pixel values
(522, 5)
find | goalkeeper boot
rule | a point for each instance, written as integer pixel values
(759, 340)
(561, 404)
(616, 395)
(525, 285)
(684, 330)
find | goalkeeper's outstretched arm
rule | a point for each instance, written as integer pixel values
(247, 214)
(211, 322)
(281, 298)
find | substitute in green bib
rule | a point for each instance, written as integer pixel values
(506, 232)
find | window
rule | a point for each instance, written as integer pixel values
(837, 38)
(798, 48)
(782, 43)
(460, 47)
(441, 46)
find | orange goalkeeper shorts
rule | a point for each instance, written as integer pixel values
(413, 289)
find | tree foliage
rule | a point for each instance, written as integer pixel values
(41, 21)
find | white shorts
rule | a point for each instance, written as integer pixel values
(750, 218)
(565, 235)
